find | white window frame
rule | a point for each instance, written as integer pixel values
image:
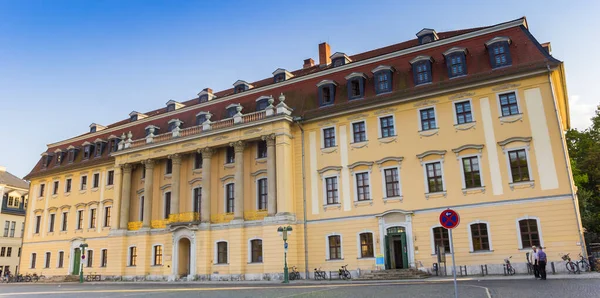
(462, 170)
(327, 257)
(539, 226)
(49, 216)
(256, 194)
(454, 111)
(47, 260)
(99, 180)
(31, 260)
(87, 181)
(65, 188)
(250, 251)
(432, 240)
(379, 133)
(141, 206)
(352, 131)
(516, 91)
(58, 259)
(87, 258)
(324, 183)
(129, 256)
(40, 195)
(101, 250)
(425, 181)
(359, 248)
(153, 255)
(62, 227)
(489, 234)
(356, 185)
(420, 126)
(225, 183)
(383, 184)
(55, 190)
(216, 252)
(107, 171)
(510, 178)
(96, 221)
(194, 198)
(82, 216)
(335, 133)
(164, 200)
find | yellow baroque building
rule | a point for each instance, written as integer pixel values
(357, 154)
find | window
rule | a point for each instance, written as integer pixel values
(329, 137)
(33, 259)
(434, 177)
(12, 228)
(55, 188)
(2, 251)
(256, 248)
(519, 169)
(96, 180)
(508, 104)
(87, 151)
(133, 256)
(19, 252)
(79, 219)
(141, 208)
(201, 118)
(103, 257)
(110, 180)
(42, 189)
(71, 155)
(61, 259)
(50, 223)
(354, 89)
(222, 252)
(99, 147)
(68, 185)
(499, 54)
(114, 145)
(9, 252)
(240, 88)
(229, 155)
(133, 118)
(335, 247)
(261, 186)
(355, 86)
(359, 132)
(366, 245)
(326, 94)
(92, 218)
(197, 199)
(83, 183)
(203, 98)
(107, 214)
(261, 149)
(387, 126)
(383, 81)
(427, 119)
(392, 183)
(231, 111)
(262, 104)
(441, 239)
(529, 233)
(171, 107)
(169, 166)
(143, 171)
(463, 112)
(48, 256)
(167, 204)
(280, 77)
(197, 161)
(331, 190)
(90, 258)
(339, 62)
(158, 255)
(479, 236)
(6, 227)
(65, 216)
(229, 188)
(362, 186)
(38, 221)
(456, 65)
(471, 172)
(422, 72)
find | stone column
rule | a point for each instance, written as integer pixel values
(271, 175)
(239, 180)
(205, 195)
(116, 209)
(148, 185)
(125, 197)
(284, 164)
(175, 184)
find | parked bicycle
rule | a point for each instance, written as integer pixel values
(36, 278)
(95, 277)
(320, 274)
(344, 273)
(572, 267)
(583, 264)
(510, 270)
(295, 275)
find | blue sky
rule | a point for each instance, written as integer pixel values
(66, 64)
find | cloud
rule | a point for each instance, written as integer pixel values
(581, 112)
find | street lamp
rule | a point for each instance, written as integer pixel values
(82, 248)
(284, 233)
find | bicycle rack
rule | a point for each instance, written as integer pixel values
(484, 270)
(553, 269)
(463, 269)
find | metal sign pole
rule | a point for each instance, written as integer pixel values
(453, 263)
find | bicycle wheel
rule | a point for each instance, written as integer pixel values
(512, 271)
(583, 265)
(571, 267)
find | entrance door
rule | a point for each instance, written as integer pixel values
(397, 248)
(183, 264)
(76, 262)
(396, 253)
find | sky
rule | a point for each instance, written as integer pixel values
(67, 64)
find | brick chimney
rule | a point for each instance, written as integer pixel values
(324, 54)
(308, 63)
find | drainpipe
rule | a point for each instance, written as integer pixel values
(570, 174)
(297, 121)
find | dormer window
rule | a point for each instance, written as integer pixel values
(203, 98)
(355, 85)
(339, 59)
(281, 75)
(383, 78)
(174, 123)
(200, 119)
(456, 62)
(279, 78)
(113, 144)
(421, 67)
(88, 149)
(133, 118)
(96, 127)
(46, 160)
(427, 35)
(326, 92)
(150, 127)
(205, 95)
(93, 129)
(231, 110)
(99, 147)
(71, 155)
(241, 86)
(498, 49)
(171, 107)
(59, 157)
(262, 103)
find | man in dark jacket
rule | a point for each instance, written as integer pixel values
(542, 263)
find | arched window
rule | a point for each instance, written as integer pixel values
(530, 236)
(334, 243)
(366, 245)
(221, 252)
(480, 237)
(441, 239)
(256, 251)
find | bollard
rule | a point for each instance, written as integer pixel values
(553, 269)
(504, 268)
(486, 271)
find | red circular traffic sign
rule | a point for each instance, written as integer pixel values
(449, 219)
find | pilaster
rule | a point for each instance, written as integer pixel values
(148, 190)
(125, 197)
(205, 194)
(175, 185)
(239, 179)
(271, 175)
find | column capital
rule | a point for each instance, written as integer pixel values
(176, 158)
(270, 139)
(206, 152)
(126, 167)
(148, 163)
(238, 146)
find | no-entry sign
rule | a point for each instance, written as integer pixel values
(449, 219)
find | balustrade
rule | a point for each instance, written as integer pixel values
(134, 225)
(222, 218)
(255, 214)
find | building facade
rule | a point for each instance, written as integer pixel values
(358, 154)
(14, 193)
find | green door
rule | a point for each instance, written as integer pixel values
(76, 261)
(388, 259)
(404, 251)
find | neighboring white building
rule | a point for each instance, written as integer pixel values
(14, 193)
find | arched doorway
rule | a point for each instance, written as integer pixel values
(396, 252)
(184, 257)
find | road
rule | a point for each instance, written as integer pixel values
(580, 288)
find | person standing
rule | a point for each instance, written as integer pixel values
(542, 259)
(533, 260)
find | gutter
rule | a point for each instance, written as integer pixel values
(297, 121)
